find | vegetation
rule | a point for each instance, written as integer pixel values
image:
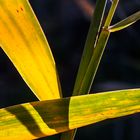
(24, 43)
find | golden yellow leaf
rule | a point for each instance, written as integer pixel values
(23, 41)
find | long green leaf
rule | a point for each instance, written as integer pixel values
(44, 118)
(90, 44)
(98, 50)
(92, 37)
(125, 23)
(23, 41)
(92, 53)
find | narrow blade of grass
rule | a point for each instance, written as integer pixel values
(125, 23)
(23, 41)
(44, 118)
(91, 41)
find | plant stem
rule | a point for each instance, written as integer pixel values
(91, 57)
(91, 41)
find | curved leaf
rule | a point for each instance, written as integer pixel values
(125, 23)
(24, 43)
(44, 118)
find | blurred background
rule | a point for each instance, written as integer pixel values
(66, 23)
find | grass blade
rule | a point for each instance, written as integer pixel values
(44, 118)
(23, 41)
(125, 23)
(91, 41)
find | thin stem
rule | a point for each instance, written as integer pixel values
(111, 12)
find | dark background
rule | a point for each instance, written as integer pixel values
(66, 23)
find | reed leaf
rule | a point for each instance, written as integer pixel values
(92, 53)
(90, 44)
(44, 118)
(125, 23)
(23, 40)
